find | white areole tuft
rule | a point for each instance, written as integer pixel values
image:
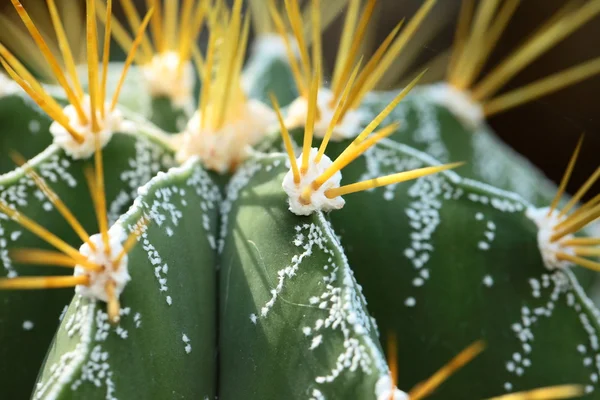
(383, 390)
(546, 228)
(98, 280)
(112, 122)
(165, 78)
(265, 48)
(469, 112)
(347, 128)
(318, 200)
(224, 149)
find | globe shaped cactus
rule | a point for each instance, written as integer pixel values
(204, 226)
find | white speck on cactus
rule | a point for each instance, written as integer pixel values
(347, 128)
(165, 78)
(488, 281)
(112, 122)
(272, 45)
(318, 200)
(224, 149)
(546, 228)
(188, 346)
(386, 390)
(118, 274)
(265, 48)
(34, 126)
(458, 102)
(27, 325)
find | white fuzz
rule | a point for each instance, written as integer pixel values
(7, 85)
(383, 390)
(224, 149)
(163, 79)
(318, 200)
(347, 128)
(272, 46)
(546, 226)
(111, 123)
(98, 280)
(469, 112)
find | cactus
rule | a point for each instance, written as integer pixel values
(252, 233)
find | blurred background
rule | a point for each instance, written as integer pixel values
(544, 131)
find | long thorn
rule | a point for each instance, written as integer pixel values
(43, 282)
(542, 87)
(105, 57)
(547, 393)
(566, 176)
(463, 358)
(388, 109)
(100, 196)
(92, 51)
(65, 48)
(45, 102)
(581, 241)
(130, 57)
(358, 38)
(337, 113)
(43, 234)
(533, 48)
(54, 64)
(51, 195)
(583, 262)
(346, 40)
(294, 65)
(573, 225)
(286, 139)
(42, 257)
(113, 307)
(131, 241)
(388, 180)
(581, 192)
(310, 121)
(399, 44)
(352, 152)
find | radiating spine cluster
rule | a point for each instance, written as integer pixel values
(557, 227)
(226, 122)
(478, 31)
(166, 60)
(88, 118)
(349, 117)
(313, 182)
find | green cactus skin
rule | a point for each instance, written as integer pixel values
(435, 130)
(449, 252)
(166, 339)
(268, 71)
(24, 128)
(293, 319)
(29, 319)
(136, 98)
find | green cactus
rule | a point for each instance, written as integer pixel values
(223, 246)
